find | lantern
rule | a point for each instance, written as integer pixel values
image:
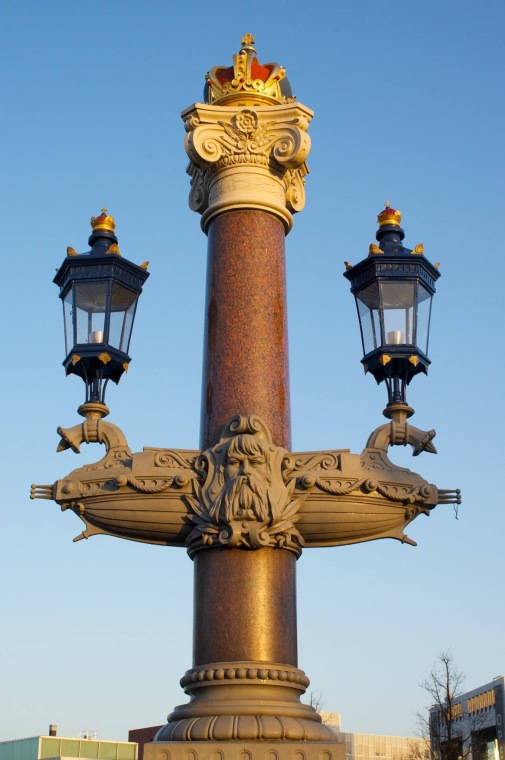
(99, 290)
(393, 289)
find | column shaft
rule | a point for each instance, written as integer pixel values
(245, 350)
(245, 606)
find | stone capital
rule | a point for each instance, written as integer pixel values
(252, 158)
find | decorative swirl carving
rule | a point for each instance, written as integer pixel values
(191, 122)
(198, 196)
(144, 485)
(337, 490)
(292, 147)
(325, 460)
(295, 190)
(204, 147)
(253, 425)
(272, 138)
(171, 458)
(403, 493)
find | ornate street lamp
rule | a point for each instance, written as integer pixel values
(99, 290)
(244, 505)
(393, 288)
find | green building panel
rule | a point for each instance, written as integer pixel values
(45, 747)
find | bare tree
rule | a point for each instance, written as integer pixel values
(444, 722)
(317, 700)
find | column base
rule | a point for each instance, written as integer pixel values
(236, 750)
(244, 702)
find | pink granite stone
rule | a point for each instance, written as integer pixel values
(245, 350)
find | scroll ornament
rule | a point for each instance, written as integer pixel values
(269, 147)
(245, 492)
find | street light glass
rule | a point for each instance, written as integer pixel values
(122, 313)
(90, 310)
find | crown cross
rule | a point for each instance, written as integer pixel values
(248, 39)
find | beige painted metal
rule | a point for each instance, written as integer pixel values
(239, 750)
(247, 158)
(186, 498)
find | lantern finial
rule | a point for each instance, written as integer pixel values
(103, 222)
(389, 216)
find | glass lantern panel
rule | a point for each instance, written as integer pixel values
(90, 304)
(67, 321)
(367, 301)
(423, 318)
(122, 312)
(398, 312)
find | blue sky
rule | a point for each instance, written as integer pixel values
(409, 108)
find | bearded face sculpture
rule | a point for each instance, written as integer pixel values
(247, 477)
(242, 498)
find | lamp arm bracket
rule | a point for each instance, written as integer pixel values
(95, 429)
(400, 433)
(92, 431)
(198, 499)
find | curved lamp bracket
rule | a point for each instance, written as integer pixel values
(94, 430)
(399, 433)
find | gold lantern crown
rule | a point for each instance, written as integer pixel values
(389, 216)
(247, 80)
(103, 222)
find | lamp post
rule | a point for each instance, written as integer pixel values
(243, 505)
(393, 288)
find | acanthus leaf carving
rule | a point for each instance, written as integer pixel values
(273, 140)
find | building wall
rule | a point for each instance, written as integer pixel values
(45, 747)
(379, 747)
(478, 718)
(142, 736)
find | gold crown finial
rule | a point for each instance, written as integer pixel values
(389, 216)
(103, 222)
(248, 39)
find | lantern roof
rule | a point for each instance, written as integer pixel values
(104, 246)
(247, 80)
(391, 258)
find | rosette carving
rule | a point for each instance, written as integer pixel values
(241, 497)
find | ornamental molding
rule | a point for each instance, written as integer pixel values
(245, 492)
(247, 158)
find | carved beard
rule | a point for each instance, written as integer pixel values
(245, 492)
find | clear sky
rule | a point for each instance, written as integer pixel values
(409, 108)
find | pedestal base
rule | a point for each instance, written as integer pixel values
(236, 750)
